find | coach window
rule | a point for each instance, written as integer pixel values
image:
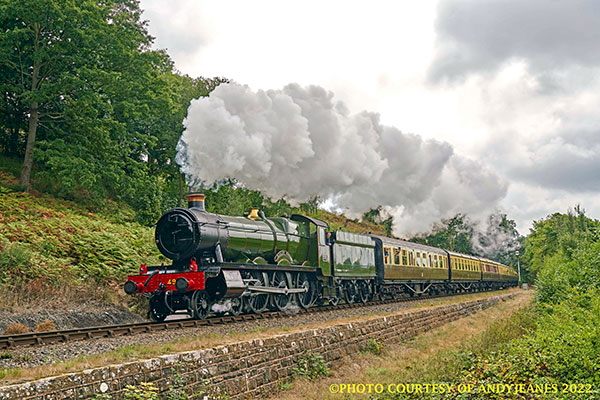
(404, 257)
(418, 259)
(396, 256)
(386, 255)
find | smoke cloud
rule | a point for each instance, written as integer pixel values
(495, 237)
(300, 142)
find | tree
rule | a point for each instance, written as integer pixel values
(454, 234)
(554, 239)
(51, 49)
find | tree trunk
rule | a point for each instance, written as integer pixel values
(28, 162)
(180, 189)
(33, 116)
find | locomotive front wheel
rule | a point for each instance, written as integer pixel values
(200, 304)
(236, 306)
(256, 303)
(158, 310)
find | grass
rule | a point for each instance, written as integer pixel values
(10, 373)
(420, 359)
(203, 341)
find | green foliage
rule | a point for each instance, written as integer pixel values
(102, 396)
(144, 391)
(374, 346)
(452, 234)
(555, 238)
(310, 366)
(564, 251)
(283, 386)
(46, 243)
(10, 373)
(556, 342)
(375, 216)
(110, 109)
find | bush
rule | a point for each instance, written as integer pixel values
(15, 329)
(45, 326)
(310, 366)
(144, 391)
(375, 346)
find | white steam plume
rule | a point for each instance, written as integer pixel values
(299, 142)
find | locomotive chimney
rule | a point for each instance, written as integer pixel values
(196, 200)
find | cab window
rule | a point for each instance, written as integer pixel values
(321, 232)
(313, 230)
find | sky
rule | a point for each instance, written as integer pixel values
(508, 87)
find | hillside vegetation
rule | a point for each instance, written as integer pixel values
(56, 250)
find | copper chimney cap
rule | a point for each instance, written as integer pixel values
(196, 200)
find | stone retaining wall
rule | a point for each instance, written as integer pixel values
(247, 369)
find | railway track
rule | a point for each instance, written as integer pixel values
(66, 335)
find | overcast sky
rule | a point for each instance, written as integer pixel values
(511, 84)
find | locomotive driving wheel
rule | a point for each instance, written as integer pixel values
(200, 304)
(305, 299)
(280, 280)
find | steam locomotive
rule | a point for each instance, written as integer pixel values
(226, 264)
